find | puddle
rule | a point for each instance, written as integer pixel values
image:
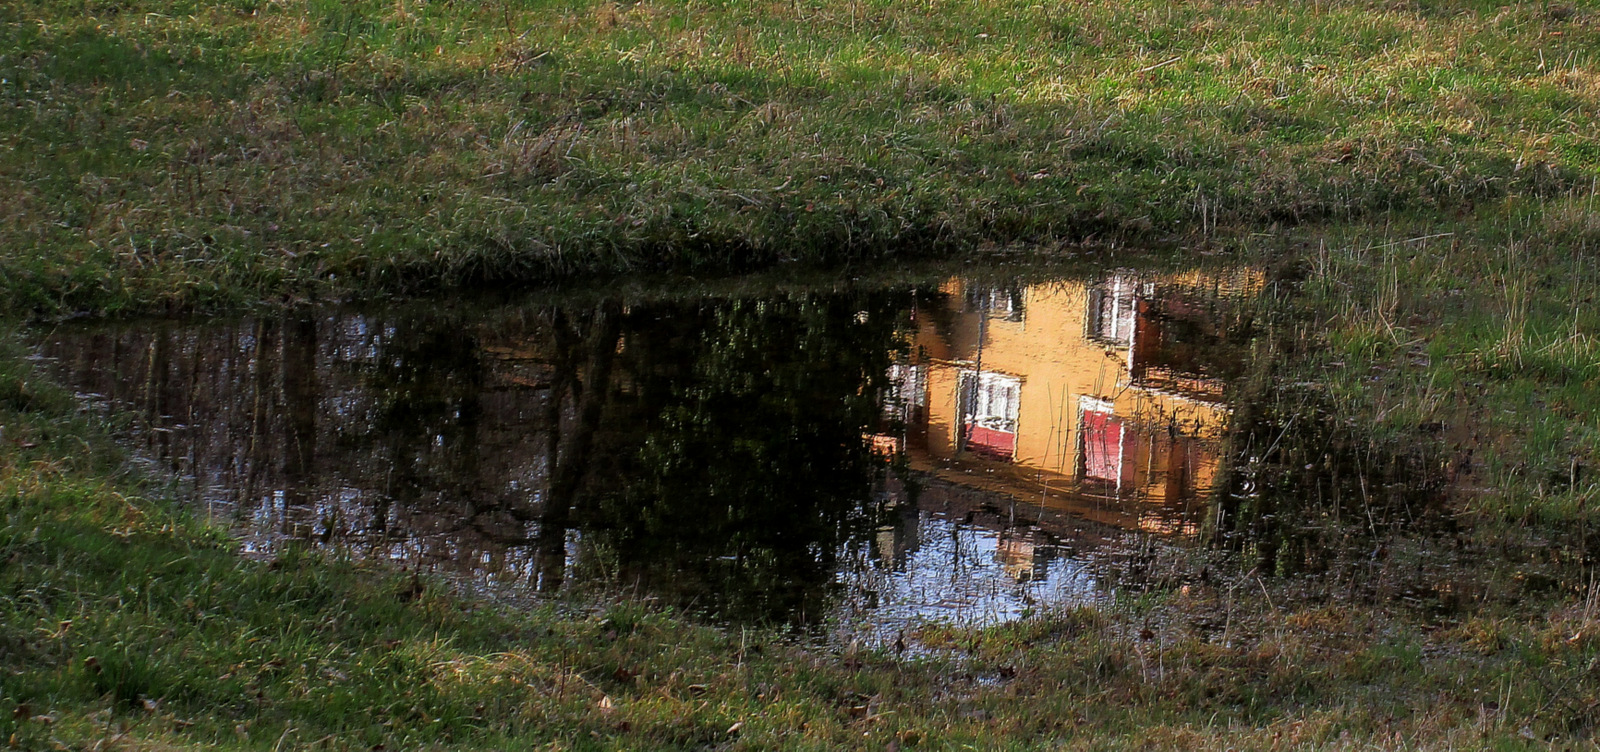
(962, 448)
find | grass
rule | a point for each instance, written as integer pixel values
(200, 153)
(1425, 392)
(1485, 339)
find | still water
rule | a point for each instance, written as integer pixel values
(960, 447)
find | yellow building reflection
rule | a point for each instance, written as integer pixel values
(1104, 399)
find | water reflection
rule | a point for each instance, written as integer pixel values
(1106, 399)
(957, 448)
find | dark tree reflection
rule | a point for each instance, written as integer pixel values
(749, 468)
(710, 452)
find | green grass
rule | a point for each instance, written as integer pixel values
(1426, 392)
(157, 154)
(1487, 338)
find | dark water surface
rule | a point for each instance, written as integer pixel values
(960, 447)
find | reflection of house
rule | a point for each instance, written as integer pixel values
(989, 404)
(1079, 395)
(1018, 554)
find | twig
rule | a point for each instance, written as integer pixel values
(1394, 243)
(1162, 64)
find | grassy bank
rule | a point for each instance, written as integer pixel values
(199, 153)
(127, 625)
